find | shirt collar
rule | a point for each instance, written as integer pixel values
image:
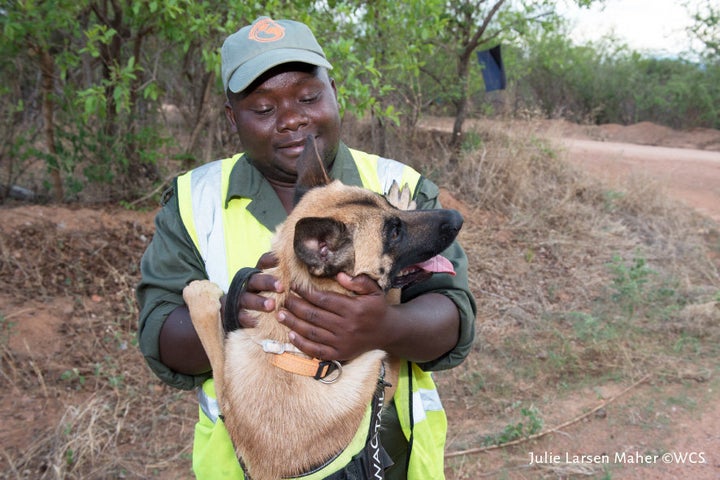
(247, 182)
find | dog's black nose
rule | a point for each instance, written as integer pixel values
(452, 224)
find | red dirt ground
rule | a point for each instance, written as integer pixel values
(687, 163)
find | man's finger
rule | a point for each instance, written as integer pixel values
(267, 260)
(360, 285)
(261, 282)
(251, 301)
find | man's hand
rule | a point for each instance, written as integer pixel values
(251, 299)
(333, 326)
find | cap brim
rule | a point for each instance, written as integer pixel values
(252, 69)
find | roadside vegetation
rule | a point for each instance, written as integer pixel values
(105, 101)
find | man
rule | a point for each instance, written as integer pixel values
(219, 219)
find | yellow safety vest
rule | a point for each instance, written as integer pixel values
(215, 231)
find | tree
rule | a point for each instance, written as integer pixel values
(104, 66)
(37, 32)
(469, 23)
(476, 23)
(383, 44)
(706, 27)
(126, 40)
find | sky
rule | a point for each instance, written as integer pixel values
(656, 27)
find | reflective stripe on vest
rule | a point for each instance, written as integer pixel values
(207, 401)
(201, 195)
(426, 427)
(425, 401)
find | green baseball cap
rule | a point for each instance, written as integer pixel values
(266, 43)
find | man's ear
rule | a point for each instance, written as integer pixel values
(230, 116)
(334, 89)
(324, 245)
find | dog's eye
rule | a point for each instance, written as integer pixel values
(395, 230)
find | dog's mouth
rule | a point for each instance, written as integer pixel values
(422, 271)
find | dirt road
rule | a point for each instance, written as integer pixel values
(689, 175)
(685, 163)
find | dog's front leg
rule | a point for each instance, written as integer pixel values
(203, 300)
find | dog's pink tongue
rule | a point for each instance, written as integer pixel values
(437, 264)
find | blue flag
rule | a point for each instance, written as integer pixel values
(493, 71)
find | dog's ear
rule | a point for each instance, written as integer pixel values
(310, 169)
(324, 245)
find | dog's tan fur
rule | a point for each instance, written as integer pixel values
(283, 424)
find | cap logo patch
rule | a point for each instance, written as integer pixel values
(266, 30)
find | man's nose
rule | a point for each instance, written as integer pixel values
(290, 118)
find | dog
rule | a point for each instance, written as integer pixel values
(284, 423)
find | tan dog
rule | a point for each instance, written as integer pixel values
(283, 423)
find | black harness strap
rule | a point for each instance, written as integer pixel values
(410, 413)
(377, 461)
(237, 287)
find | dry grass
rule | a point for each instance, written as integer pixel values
(92, 410)
(579, 284)
(576, 283)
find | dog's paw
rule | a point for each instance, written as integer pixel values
(400, 198)
(202, 294)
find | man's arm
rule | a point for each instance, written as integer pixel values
(180, 347)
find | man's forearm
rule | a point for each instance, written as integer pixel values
(180, 347)
(426, 328)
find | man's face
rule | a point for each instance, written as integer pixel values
(274, 115)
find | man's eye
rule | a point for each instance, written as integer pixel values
(310, 98)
